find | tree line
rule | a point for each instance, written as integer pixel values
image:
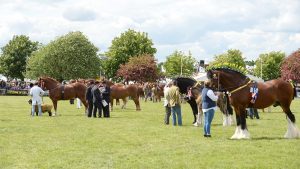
(131, 56)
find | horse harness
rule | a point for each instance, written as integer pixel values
(62, 89)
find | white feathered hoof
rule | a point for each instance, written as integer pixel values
(240, 134)
(292, 130)
(53, 114)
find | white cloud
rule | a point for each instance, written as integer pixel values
(204, 27)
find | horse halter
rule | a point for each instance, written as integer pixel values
(235, 88)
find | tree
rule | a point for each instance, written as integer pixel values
(290, 67)
(176, 60)
(232, 56)
(129, 44)
(70, 56)
(140, 69)
(268, 65)
(14, 56)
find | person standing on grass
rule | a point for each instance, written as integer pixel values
(97, 100)
(89, 98)
(105, 91)
(208, 106)
(36, 93)
(166, 104)
(173, 98)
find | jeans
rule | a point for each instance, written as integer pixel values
(208, 117)
(176, 111)
(33, 109)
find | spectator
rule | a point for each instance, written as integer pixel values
(166, 104)
(173, 98)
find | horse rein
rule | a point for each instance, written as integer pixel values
(235, 89)
(239, 88)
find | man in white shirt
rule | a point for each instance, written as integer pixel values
(36, 93)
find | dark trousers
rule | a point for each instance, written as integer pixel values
(106, 111)
(97, 106)
(90, 108)
(168, 114)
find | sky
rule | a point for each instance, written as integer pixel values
(204, 27)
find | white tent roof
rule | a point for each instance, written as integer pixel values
(3, 78)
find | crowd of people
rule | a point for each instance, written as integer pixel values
(98, 98)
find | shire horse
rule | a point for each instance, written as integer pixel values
(238, 87)
(195, 101)
(120, 91)
(58, 91)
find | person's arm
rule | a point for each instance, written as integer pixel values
(211, 95)
(42, 92)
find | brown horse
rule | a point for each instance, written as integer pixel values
(57, 91)
(120, 91)
(238, 87)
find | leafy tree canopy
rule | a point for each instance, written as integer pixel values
(268, 64)
(232, 56)
(290, 67)
(128, 44)
(70, 56)
(140, 69)
(14, 56)
(176, 60)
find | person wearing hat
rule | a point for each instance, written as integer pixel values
(89, 98)
(97, 100)
(209, 106)
(105, 91)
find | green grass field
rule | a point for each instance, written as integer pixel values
(131, 139)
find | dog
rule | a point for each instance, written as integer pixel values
(45, 108)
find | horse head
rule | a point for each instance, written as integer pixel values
(47, 83)
(223, 79)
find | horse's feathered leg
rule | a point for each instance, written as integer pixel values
(292, 131)
(241, 131)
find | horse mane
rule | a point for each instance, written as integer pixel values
(228, 70)
(184, 82)
(50, 78)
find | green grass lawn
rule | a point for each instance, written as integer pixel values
(131, 139)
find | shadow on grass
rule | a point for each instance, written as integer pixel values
(262, 138)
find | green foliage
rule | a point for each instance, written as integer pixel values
(70, 56)
(290, 67)
(131, 140)
(129, 44)
(270, 63)
(139, 69)
(233, 56)
(14, 56)
(176, 60)
(225, 65)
